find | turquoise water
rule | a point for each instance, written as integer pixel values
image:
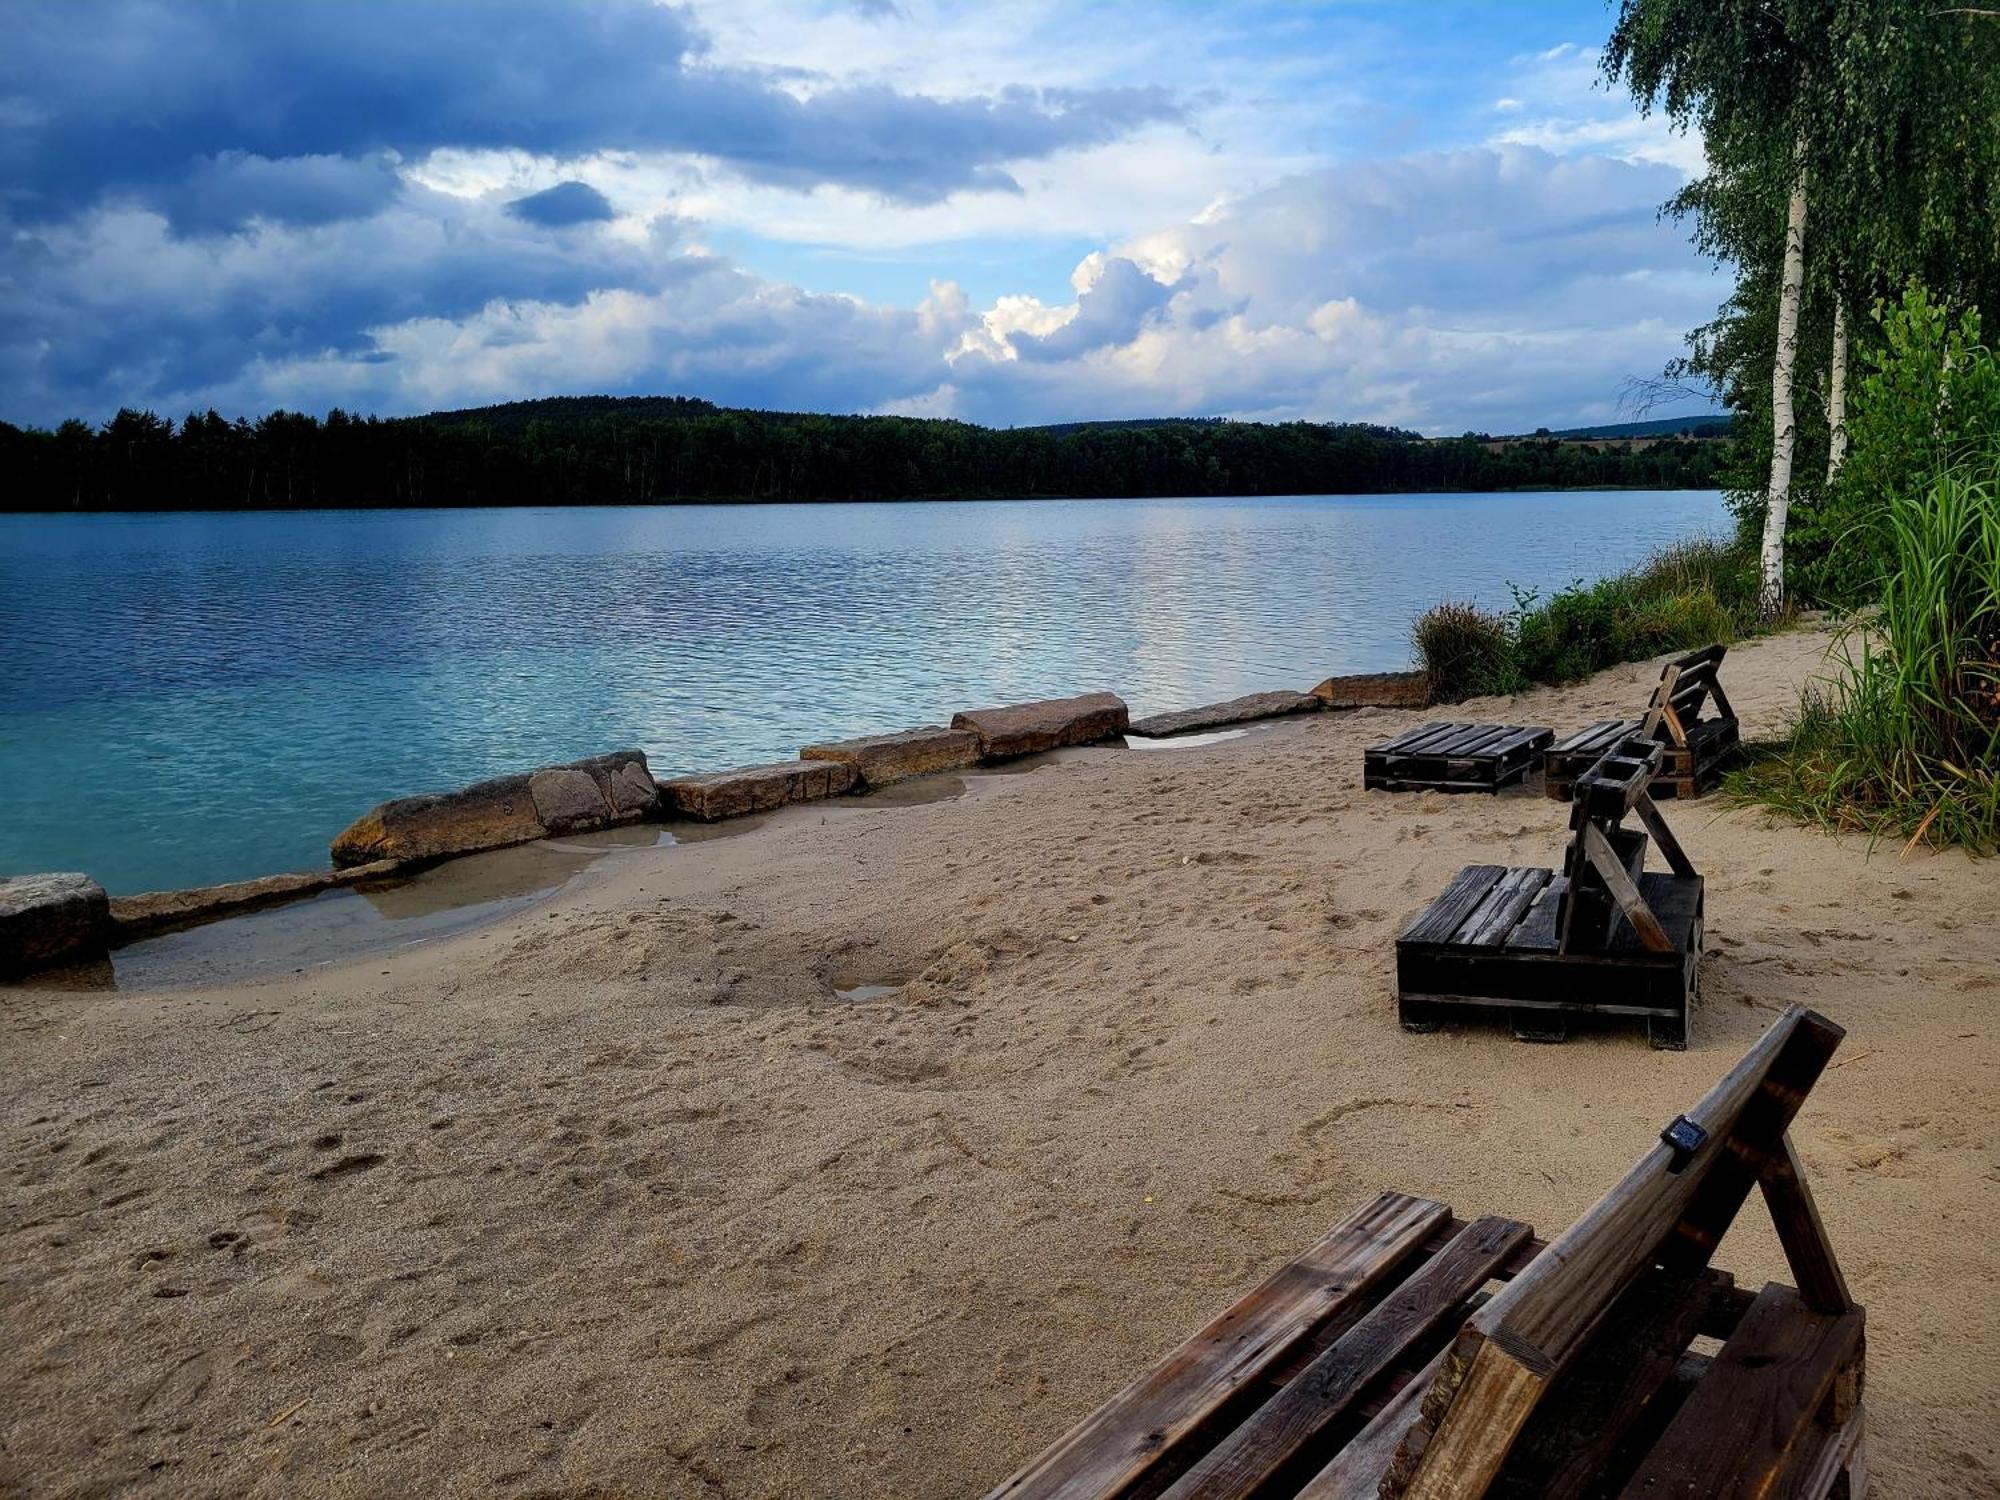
(190, 698)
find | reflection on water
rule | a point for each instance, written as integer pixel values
(192, 698)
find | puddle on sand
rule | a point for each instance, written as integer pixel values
(1185, 741)
(915, 792)
(358, 920)
(866, 991)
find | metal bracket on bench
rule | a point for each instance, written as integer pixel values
(1684, 1138)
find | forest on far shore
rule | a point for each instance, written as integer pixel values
(663, 450)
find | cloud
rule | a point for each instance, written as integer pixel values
(137, 97)
(564, 204)
(1485, 288)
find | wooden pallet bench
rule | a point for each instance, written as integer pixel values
(1411, 1353)
(1454, 758)
(1698, 750)
(1602, 936)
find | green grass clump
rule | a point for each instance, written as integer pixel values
(1465, 651)
(1689, 595)
(1904, 741)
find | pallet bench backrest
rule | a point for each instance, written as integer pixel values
(1670, 1210)
(1603, 861)
(1685, 685)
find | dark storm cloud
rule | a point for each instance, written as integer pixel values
(564, 204)
(145, 97)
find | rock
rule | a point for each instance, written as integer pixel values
(879, 759)
(1216, 715)
(1376, 690)
(601, 792)
(51, 919)
(1026, 728)
(150, 910)
(568, 800)
(753, 789)
(631, 790)
(488, 815)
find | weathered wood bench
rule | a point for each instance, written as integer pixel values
(1602, 936)
(1454, 758)
(1697, 749)
(1382, 1361)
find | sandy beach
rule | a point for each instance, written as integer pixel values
(620, 1197)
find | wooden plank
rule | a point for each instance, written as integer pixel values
(1260, 1453)
(1532, 1329)
(1740, 1432)
(1186, 1396)
(1834, 1452)
(1357, 1469)
(1563, 1450)
(1707, 655)
(1500, 914)
(1438, 921)
(1603, 732)
(1523, 739)
(1663, 836)
(1669, 674)
(1438, 734)
(1536, 932)
(1808, 1250)
(1407, 737)
(1612, 870)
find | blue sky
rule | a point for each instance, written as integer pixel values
(1431, 215)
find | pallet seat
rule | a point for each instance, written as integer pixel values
(1601, 936)
(1386, 1361)
(1698, 749)
(1454, 758)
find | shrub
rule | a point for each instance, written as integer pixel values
(1465, 651)
(1686, 596)
(1905, 740)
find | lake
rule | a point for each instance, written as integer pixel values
(198, 697)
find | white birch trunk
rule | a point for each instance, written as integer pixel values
(1836, 396)
(1784, 428)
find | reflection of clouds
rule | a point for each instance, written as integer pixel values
(261, 682)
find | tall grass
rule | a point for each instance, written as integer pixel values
(1905, 739)
(1686, 596)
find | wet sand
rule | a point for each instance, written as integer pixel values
(619, 1196)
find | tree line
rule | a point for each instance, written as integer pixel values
(661, 450)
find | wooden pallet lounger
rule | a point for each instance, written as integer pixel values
(1697, 749)
(1454, 758)
(1601, 936)
(1378, 1364)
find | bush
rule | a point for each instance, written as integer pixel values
(1689, 595)
(1928, 397)
(1906, 739)
(1465, 652)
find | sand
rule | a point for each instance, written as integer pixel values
(618, 1197)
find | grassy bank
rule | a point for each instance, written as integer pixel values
(1684, 597)
(1903, 740)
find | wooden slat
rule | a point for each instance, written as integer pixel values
(1663, 836)
(1833, 1452)
(1707, 655)
(1438, 921)
(1563, 1450)
(1501, 912)
(1808, 1250)
(1601, 733)
(1405, 738)
(1536, 932)
(1357, 1469)
(1437, 734)
(1604, 859)
(1185, 1396)
(1260, 1452)
(1740, 1432)
(1527, 1335)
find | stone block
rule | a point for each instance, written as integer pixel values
(879, 759)
(1050, 724)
